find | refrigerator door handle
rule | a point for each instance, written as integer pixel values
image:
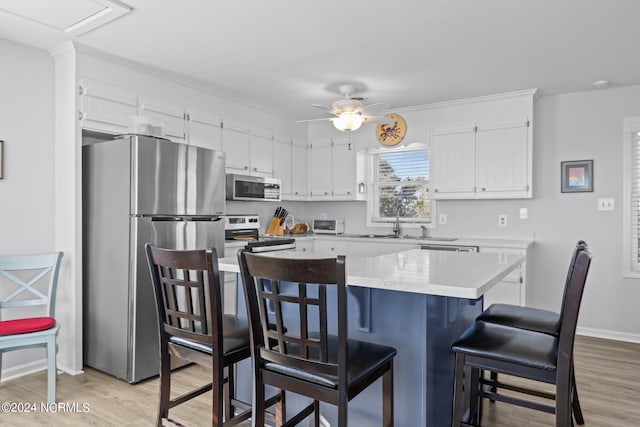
(204, 218)
(168, 218)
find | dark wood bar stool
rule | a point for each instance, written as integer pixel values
(193, 328)
(538, 320)
(523, 353)
(307, 360)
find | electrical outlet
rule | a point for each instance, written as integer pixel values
(524, 213)
(443, 218)
(502, 220)
(606, 204)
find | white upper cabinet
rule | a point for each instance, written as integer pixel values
(343, 165)
(261, 152)
(106, 108)
(204, 129)
(282, 164)
(453, 161)
(235, 143)
(299, 170)
(170, 114)
(336, 169)
(320, 158)
(488, 159)
(503, 153)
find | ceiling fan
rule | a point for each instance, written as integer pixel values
(350, 113)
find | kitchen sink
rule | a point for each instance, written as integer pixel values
(378, 236)
(443, 239)
(406, 236)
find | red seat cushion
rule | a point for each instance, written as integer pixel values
(24, 326)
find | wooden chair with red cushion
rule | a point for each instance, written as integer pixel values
(27, 281)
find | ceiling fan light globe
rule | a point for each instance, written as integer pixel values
(346, 106)
(347, 122)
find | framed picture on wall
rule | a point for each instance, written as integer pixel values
(577, 176)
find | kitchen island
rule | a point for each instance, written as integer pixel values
(419, 302)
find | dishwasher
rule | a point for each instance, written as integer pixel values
(454, 248)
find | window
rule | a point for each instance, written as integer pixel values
(631, 156)
(400, 186)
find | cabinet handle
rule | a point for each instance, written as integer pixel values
(483, 189)
(246, 167)
(80, 115)
(435, 190)
(326, 194)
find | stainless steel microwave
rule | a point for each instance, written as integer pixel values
(252, 188)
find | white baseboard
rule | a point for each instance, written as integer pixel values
(24, 369)
(607, 334)
(30, 368)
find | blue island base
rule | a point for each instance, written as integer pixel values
(422, 329)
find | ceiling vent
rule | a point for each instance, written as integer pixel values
(72, 17)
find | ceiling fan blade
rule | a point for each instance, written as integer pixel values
(322, 107)
(314, 120)
(379, 120)
(376, 106)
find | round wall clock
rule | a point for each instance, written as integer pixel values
(391, 134)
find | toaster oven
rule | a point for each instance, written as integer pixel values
(328, 226)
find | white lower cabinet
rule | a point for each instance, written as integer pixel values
(392, 248)
(512, 289)
(304, 245)
(331, 247)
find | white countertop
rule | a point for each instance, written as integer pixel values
(464, 241)
(445, 273)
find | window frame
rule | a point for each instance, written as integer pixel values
(631, 149)
(371, 193)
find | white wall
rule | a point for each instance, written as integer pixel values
(27, 190)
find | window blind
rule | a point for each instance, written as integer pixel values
(635, 200)
(401, 186)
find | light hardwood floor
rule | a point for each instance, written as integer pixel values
(607, 372)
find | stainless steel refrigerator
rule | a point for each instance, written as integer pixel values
(139, 189)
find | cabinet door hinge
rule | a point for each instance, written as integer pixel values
(187, 117)
(80, 115)
(80, 90)
(475, 128)
(528, 123)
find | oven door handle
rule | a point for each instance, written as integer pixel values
(271, 248)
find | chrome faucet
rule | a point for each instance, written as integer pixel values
(396, 225)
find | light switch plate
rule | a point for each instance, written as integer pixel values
(502, 220)
(524, 213)
(606, 205)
